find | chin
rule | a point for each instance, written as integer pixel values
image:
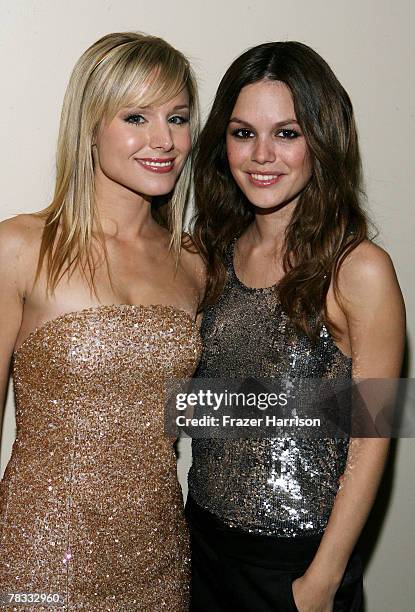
(271, 201)
(154, 189)
(265, 203)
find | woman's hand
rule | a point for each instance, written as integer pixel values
(311, 595)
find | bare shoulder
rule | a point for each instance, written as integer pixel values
(367, 274)
(21, 234)
(20, 239)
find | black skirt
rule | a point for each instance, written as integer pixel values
(235, 570)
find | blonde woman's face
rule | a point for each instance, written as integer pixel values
(143, 149)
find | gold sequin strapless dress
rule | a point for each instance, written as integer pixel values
(90, 505)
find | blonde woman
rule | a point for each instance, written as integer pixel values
(98, 302)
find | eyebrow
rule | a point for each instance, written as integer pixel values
(276, 125)
(150, 107)
(181, 107)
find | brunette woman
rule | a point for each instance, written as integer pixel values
(295, 289)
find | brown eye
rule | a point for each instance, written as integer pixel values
(243, 133)
(288, 134)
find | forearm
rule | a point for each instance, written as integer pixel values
(354, 500)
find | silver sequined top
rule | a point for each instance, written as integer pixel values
(283, 486)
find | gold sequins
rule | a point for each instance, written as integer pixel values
(90, 506)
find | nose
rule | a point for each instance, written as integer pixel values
(161, 136)
(264, 151)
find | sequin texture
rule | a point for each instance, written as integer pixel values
(90, 505)
(286, 486)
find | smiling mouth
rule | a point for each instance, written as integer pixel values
(264, 180)
(159, 166)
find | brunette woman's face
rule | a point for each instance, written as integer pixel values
(267, 152)
(144, 149)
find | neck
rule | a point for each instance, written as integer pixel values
(268, 228)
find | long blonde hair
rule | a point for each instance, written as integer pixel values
(120, 69)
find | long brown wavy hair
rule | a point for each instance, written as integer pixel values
(328, 221)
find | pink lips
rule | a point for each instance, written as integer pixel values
(264, 183)
(157, 165)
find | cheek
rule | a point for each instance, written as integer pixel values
(120, 140)
(299, 159)
(128, 142)
(183, 141)
(307, 165)
(235, 154)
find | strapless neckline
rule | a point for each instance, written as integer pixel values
(102, 307)
(101, 516)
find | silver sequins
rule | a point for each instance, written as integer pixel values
(283, 487)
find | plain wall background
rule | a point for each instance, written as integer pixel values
(370, 46)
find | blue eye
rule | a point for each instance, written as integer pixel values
(243, 133)
(288, 134)
(135, 119)
(178, 120)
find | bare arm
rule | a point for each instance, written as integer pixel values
(12, 288)
(372, 302)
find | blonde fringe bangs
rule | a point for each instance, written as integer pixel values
(120, 70)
